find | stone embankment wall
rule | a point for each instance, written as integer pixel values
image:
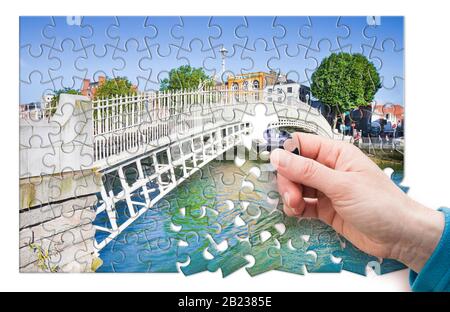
(57, 190)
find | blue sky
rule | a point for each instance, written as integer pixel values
(57, 52)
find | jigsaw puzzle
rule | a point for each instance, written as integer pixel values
(144, 141)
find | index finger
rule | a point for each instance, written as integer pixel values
(321, 149)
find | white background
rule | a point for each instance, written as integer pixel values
(427, 169)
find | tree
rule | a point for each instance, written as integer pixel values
(345, 81)
(115, 86)
(185, 77)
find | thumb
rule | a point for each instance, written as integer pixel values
(305, 171)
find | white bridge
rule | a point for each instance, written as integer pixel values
(154, 141)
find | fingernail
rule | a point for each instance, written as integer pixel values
(287, 204)
(295, 212)
(292, 211)
(279, 158)
(286, 199)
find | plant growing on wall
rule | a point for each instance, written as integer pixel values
(43, 259)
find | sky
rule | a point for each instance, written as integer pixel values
(58, 52)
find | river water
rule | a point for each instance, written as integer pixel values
(218, 217)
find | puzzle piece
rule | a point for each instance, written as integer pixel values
(261, 48)
(316, 25)
(234, 60)
(67, 74)
(324, 242)
(231, 260)
(97, 65)
(196, 53)
(62, 28)
(294, 248)
(39, 64)
(354, 260)
(260, 27)
(191, 28)
(98, 39)
(267, 257)
(137, 58)
(378, 31)
(282, 63)
(126, 28)
(161, 61)
(162, 255)
(291, 39)
(31, 34)
(356, 40)
(391, 71)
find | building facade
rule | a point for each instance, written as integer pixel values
(30, 111)
(47, 100)
(393, 113)
(90, 88)
(252, 81)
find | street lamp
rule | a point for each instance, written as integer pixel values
(223, 52)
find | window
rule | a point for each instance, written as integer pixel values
(270, 90)
(256, 85)
(235, 86)
(245, 85)
(289, 90)
(279, 91)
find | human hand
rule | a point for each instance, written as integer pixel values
(335, 182)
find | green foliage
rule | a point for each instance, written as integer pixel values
(115, 86)
(345, 81)
(55, 99)
(185, 77)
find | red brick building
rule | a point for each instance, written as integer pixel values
(89, 88)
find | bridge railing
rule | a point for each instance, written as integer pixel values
(119, 112)
(36, 113)
(124, 123)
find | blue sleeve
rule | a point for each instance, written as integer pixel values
(435, 275)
